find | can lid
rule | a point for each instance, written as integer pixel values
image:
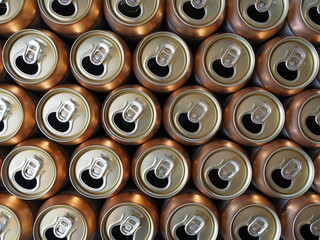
(263, 14)
(96, 171)
(65, 11)
(60, 222)
(10, 228)
(161, 171)
(294, 62)
(28, 172)
(63, 114)
(199, 13)
(258, 116)
(163, 58)
(310, 11)
(97, 57)
(133, 12)
(11, 115)
(9, 10)
(31, 56)
(228, 60)
(127, 220)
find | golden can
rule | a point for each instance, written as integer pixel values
(224, 63)
(68, 114)
(303, 118)
(250, 216)
(195, 19)
(300, 217)
(134, 18)
(17, 109)
(221, 169)
(99, 168)
(36, 59)
(35, 169)
(189, 215)
(161, 168)
(287, 65)
(316, 181)
(129, 215)
(253, 116)
(131, 115)
(281, 169)
(162, 62)
(16, 218)
(70, 18)
(256, 20)
(192, 115)
(66, 216)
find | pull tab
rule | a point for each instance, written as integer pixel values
(315, 227)
(132, 111)
(63, 226)
(4, 108)
(98, 167)
(32, 52)
(133, 3)
(296, 59)
(100, 53)
(197, 112)
(291, 169)
(4, 220)
(65, 2)
(194, 226)
(228, 170)
(165, 55)
(263, 5)
(198, 4)
(231, 56)
(130, 225)
(164, 168)
(261, 113)
(258, 226)
(66, 110)
(31, 168)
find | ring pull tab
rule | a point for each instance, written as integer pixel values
(291, 169)
(129, 225)
(296, 59)
(228, 170)
(4, 108)
(263, 5)
(258, 226)
(315, 227)
(63, 226)
(98, 167)
(165, 55)
(164, 168)
(100, 53)
(231, 56)
(197, 112)
(65, 2)
(194, 226)
(133, 3)
(261, 113)
(31, 168)
(132, 112)
(32, 52)
(198, 4)
(4, 220)
(66, 110)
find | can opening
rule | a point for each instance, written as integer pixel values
(155, 68)
(216, 180)
(1, 126)
(49, 234)
(123, 124)
(250, 125)
(306, 233)
(286, 73)
(222, 70)
(91, 68)
(90, 181)
(118, 235)
(23, 182)
(245, 235)
(3, 8)
(30, 69)
(187, 124)
(280, 180)
(155, 181)
(314, 15)
(192, 12)
(312, 125)
(129, 11)
(56, 124)
(256, 15)
(65, 10)
(182, 234)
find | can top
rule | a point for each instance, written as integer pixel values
(31, 56)
(96, 171)
(258, 116)
(60, 221)
(97, 57)
(10, 109)
(127, 219)
(199, 13)
(294, 62)
(263, 14)
(9, 10)
(28, 172)
(310, 9)
(10, 228)
(63, 114)
(65, 11)
(233, 54)
(289, 172)
(133, 12)
(163, 58)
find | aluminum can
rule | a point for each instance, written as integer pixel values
(316, 162)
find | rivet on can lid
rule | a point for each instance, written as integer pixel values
(263, 5)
